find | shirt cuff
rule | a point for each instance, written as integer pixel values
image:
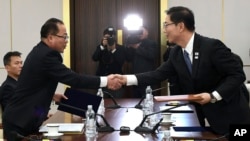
(101, 47)
(217, 95)
(104, 81)
(131, 80)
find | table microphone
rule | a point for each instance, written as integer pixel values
(138, 105)
(106, 128)
(142, 129)
(115, 106)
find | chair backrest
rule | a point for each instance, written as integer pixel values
(0, 113)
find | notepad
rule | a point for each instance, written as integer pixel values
(65, 127)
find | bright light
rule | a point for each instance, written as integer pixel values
(132, 22)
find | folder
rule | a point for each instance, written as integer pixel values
(182, 109)
(192, 129)
(80, 100)
(177, 97)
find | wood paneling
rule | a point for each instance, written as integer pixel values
(88, 19)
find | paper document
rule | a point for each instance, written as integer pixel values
(188, 97)
(65, 127)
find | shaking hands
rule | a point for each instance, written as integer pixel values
(115, 81)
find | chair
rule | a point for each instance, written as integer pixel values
(1, 127)
(248, 88)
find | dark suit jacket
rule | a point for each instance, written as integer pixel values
(214, 68)
(109, 63)
(41, 72)
(7, 89)
(143, 58)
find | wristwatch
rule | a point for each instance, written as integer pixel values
(213, 99)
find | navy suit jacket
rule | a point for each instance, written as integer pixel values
(214, 68)
(41, 72)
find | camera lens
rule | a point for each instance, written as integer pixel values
(111, 41)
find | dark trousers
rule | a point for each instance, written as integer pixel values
(11, 133)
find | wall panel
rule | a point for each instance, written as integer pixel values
(5, 34)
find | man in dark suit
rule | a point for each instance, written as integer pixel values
(215, 75)
(142, 53)
(111, 57)
(41, 72)
(174, 87)
(13, 64)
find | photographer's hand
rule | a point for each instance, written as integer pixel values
(104, 41)
(135, 46)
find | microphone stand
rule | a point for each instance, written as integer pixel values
(115, 106)
(140, 127)
(138, 105)
(106, 128)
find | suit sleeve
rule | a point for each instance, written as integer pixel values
(230, 69)
(160, 74)
(52, 65)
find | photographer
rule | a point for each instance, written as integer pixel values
(111, 57)
(142, 53)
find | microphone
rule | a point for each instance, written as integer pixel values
(115, 106)
(140, 127)
(138, 105)
(106, 128)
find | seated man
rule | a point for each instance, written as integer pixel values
(13, 65)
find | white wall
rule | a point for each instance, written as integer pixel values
(226, 20)
(20, 25)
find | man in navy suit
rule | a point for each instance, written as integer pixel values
(215, 74)
(41, 72)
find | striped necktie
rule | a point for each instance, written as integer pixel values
(188, 61)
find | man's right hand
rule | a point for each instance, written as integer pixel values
(104, 41)
(122, 79)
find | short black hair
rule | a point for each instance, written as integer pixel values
(110, 31)
(182, 14)
(50, 27)
(8, 55)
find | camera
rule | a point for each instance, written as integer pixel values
(111, 41)
(134, 37)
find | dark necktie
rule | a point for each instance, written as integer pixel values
(188, 61)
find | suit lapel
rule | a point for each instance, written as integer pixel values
(196, 54)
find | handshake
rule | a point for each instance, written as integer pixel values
(115, 81)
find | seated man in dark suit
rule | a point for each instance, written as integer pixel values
(13, 64)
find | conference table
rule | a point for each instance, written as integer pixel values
(131, 117)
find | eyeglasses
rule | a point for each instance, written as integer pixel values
(165, 24)
(65, 37)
